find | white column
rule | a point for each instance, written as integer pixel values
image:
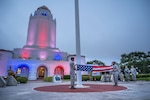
(78, 55)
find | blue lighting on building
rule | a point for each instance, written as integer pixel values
(57, 57)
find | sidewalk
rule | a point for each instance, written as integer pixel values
(139, 90)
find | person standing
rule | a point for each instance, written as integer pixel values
(115, 73)
(121, 76)
(127, 73)
(11, 72)
(133, 73)
(72, 73)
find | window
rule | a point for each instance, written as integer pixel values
(44, 14)
(19, 71)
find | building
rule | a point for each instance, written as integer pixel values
(39, 57)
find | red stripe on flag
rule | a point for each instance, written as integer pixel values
(102, 68)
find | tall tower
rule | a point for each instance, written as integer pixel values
(41, 29)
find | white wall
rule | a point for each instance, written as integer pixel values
(5, 57)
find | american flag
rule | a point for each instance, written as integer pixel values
(102, 68)
(84, 68)
(94, 68)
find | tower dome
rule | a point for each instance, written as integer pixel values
(43, 7)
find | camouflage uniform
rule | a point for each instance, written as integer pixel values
(115, 73)
(127, 73)
(133, 73)
(72, 74)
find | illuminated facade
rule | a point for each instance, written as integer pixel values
(39, 57)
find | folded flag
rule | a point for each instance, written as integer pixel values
(94, 68)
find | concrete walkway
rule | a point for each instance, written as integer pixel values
(139, 90)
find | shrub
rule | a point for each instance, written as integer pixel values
(85, 77)
(22, 79)
(48, 79)
(143, 77)
(96, 78)
(17, 77)
(66, 77)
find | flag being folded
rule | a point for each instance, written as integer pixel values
(94, 68)
(84, 68)
(102, 68)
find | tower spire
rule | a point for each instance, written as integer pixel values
(41, 29)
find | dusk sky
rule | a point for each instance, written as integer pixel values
(108, 28)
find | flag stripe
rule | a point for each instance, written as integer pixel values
(100, 66)
(94, 68)
(102, 70)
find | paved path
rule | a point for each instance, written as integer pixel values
(139, 90)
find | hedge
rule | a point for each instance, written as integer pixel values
(48, 79)
(143, 77)
(66, 77)
(84, 77)
(22, 79)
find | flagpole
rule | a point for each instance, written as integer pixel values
(78, 54)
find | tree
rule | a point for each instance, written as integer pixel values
(138, 59)
(96, 62)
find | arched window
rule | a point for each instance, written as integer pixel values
(23, 70)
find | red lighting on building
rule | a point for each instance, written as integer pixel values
(25, 55)
(43, 35)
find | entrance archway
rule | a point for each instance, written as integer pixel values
(41, 72)
(59, 71)
(23, 70)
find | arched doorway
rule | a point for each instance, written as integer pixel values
(23, 70)
(41, 72)
(59, 71)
